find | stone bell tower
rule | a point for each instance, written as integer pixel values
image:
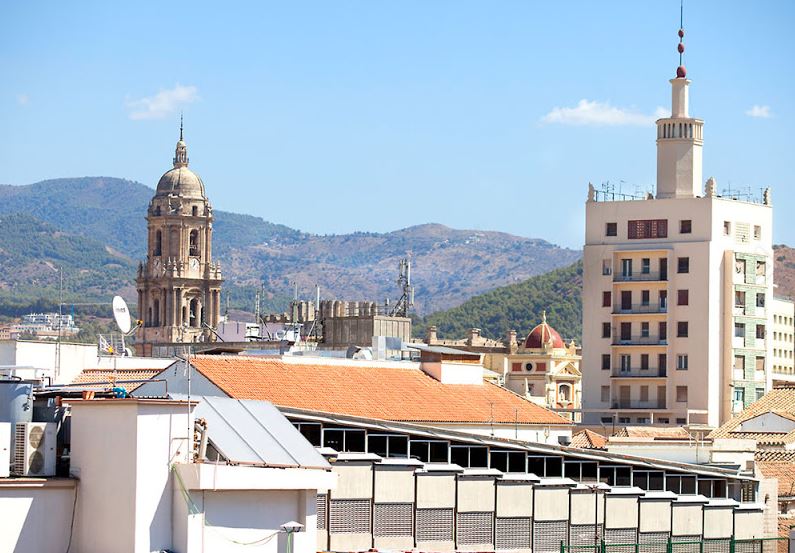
(179, 286)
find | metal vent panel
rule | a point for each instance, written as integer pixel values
(349, 516)
(686, 544)
(654, 542)
(393, 520)
(19, 448)
(513, 533)
(717, 545)
(322, 510)
(548, 535)
(622, 540)
(434, 525)
(476, 528)
(585, 534)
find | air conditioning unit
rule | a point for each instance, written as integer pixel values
(34, 448)
(5, 449)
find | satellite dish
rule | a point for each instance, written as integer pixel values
(121, 314)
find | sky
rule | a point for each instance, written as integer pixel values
(333, 117)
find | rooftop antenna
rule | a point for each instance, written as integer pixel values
(406, 300)
(180, 125)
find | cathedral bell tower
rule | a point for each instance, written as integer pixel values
(179, 286)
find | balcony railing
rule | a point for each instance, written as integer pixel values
(639, 276)
(628, 404)
(638, 372)
(640, 341)
(640, 308)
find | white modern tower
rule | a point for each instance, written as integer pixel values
(675, 290)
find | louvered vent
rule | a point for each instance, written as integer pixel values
(513, 533)
(686, 544)
(393, 520)
(621, 536)
(547, 535)
(434, 525)
(475, 528)
(585, 534)
(654, 542)
(716, 545)
(321, 511)
(19, 448)
(349, 516)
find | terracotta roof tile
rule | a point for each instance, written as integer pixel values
(378, 392)
(588, 439)
(783, 471)
(654, 432)
(106, 376)
(778, 400)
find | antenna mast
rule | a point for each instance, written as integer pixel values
(406, 300)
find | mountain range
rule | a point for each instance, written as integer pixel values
(95, 229)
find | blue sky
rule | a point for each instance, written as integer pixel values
(332, 117)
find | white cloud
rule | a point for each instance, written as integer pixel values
(592, 112)
(761, 112)
(163, 103)
(23, 99)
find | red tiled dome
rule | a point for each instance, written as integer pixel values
(541, 334)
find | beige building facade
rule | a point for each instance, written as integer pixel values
(676, 292)
(179, 285)
(783, 335)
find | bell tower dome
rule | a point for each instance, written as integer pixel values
(179, 285)
(679, 141)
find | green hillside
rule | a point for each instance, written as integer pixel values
(518, 307)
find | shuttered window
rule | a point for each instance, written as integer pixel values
(393, 520)
(349, 516)
(475, 528)
(434, 525)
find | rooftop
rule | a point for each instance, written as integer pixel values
(779, 401)
(99, 379)
(369, 390)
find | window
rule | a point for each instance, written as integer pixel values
(727, 228)
(760, 332)
(663, 295)
(739, 299)
(516, 367)
(528, 367)
(644, 393)
(509, 461)
(541, 367)
(626, 362)
(626, 268)
(611, 229)
(685, 226)
(663, 329)
(681, 362)
(761, 268)
(605, 394)
(739, 266)
(681, 394)
(581, 471)
(310, 431)
(681, 420)
(616, 476)
(195, 211)
(680, 484)
(429, 451)
(738, 371)
(545, 466)
(739, 330)
(644, 361)
(648, 228)
(607, 267)
(649, 480)
(388, 445)
(605, 361)
(664, 420)
(344, 439)
(759, 393)
(606, 299)
(683, 265)
(468, 456)
(662, 363)
(757, 232)
(644, 330)
(193, 249)
(739, 395)
(626, 331)
(644, 297)
(760, 300)
(681, 329)
(682, 297)
(606, 420)
(158, 249)
(624, 420)
(645, 265)
(605, 330)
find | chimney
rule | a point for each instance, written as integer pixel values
(474, 336)
(510, 341)
(430, 336)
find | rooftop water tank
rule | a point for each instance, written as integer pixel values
(16, 401)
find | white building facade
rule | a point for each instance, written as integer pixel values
(675, 294)
(783, 335)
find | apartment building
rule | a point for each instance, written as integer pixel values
(783, 360)
(675, 292)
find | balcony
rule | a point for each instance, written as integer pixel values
(642, 308)
(646, 405)
(640, 277)
(638, 372)
(640, 341)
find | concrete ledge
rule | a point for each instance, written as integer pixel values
(54, 482)
(207, 476)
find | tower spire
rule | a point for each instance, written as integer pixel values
(181, 152)
(681, 72)
(180, 121)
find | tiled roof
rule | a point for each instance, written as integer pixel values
(588, 439)
(370, 391)
(106, 376)
(654, 432)
(783, 471)
(775, 455)
(778, 400)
